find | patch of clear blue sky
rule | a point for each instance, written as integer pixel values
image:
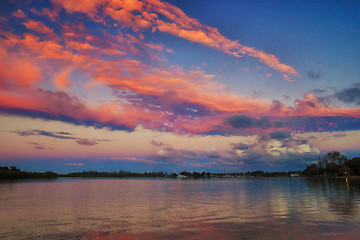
(321, 36)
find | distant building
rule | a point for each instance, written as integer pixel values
(182, 176)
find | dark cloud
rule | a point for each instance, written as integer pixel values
(316, 124)
(60, 135)
(302, 141)
(263, 137)
(287, 97)
(349, 95)
(168, 101)
(213, 154)
(314, 75)
(64, 133)
(87, 142)
(175, 155)
(278, 124)
(63, 118)
(318, 91)
(305, 103)
(276, 106)
(243, 121)
(332, 96)
(279, 135)
(156, 144)
(240, 146)
(43, 133)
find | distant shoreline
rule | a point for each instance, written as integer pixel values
(13, 173)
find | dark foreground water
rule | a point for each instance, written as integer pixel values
(267, 208)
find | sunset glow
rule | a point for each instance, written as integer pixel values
(177, 85)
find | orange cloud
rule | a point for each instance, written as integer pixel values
(83, 6)
(269, 60)
(310, 106)
(137, 15)
(166, 97)
(17, 71)
(62, 80)
(52, 14)
(38, 27)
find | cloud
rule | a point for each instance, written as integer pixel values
(212, 153)
(62, 80)
(322, 124)
(52, 14)
(156, 144)
(313, 75)
(333, 96)
(38, 27)
(243, 121)
(63, 133)
(60, 135)
(277, 149)
(86, 142)
(138, 16)
(279, 135)
(176, 156)
(60, 54)
(38, 146)
(19, 14)
(349, 95)
(63, 118)
(240, 146)
(10, 77)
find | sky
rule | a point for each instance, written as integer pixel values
(194, 85)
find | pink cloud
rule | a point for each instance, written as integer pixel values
(62, 80)
(181, 25)
(168, 98)
(38, 27)
(52, 14)
(19, 14)
(10, 74)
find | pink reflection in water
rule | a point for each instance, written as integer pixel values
(179, 209)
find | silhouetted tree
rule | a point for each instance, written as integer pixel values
(354, 165)
(311, 170)
(335, 157)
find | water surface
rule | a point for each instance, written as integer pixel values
(263, 208)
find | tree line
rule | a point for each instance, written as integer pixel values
(15, 173)
(334, 164)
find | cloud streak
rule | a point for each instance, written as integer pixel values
(86, 142)
(144, 15)
(60, 135)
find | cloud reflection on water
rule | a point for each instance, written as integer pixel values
(264, 208)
